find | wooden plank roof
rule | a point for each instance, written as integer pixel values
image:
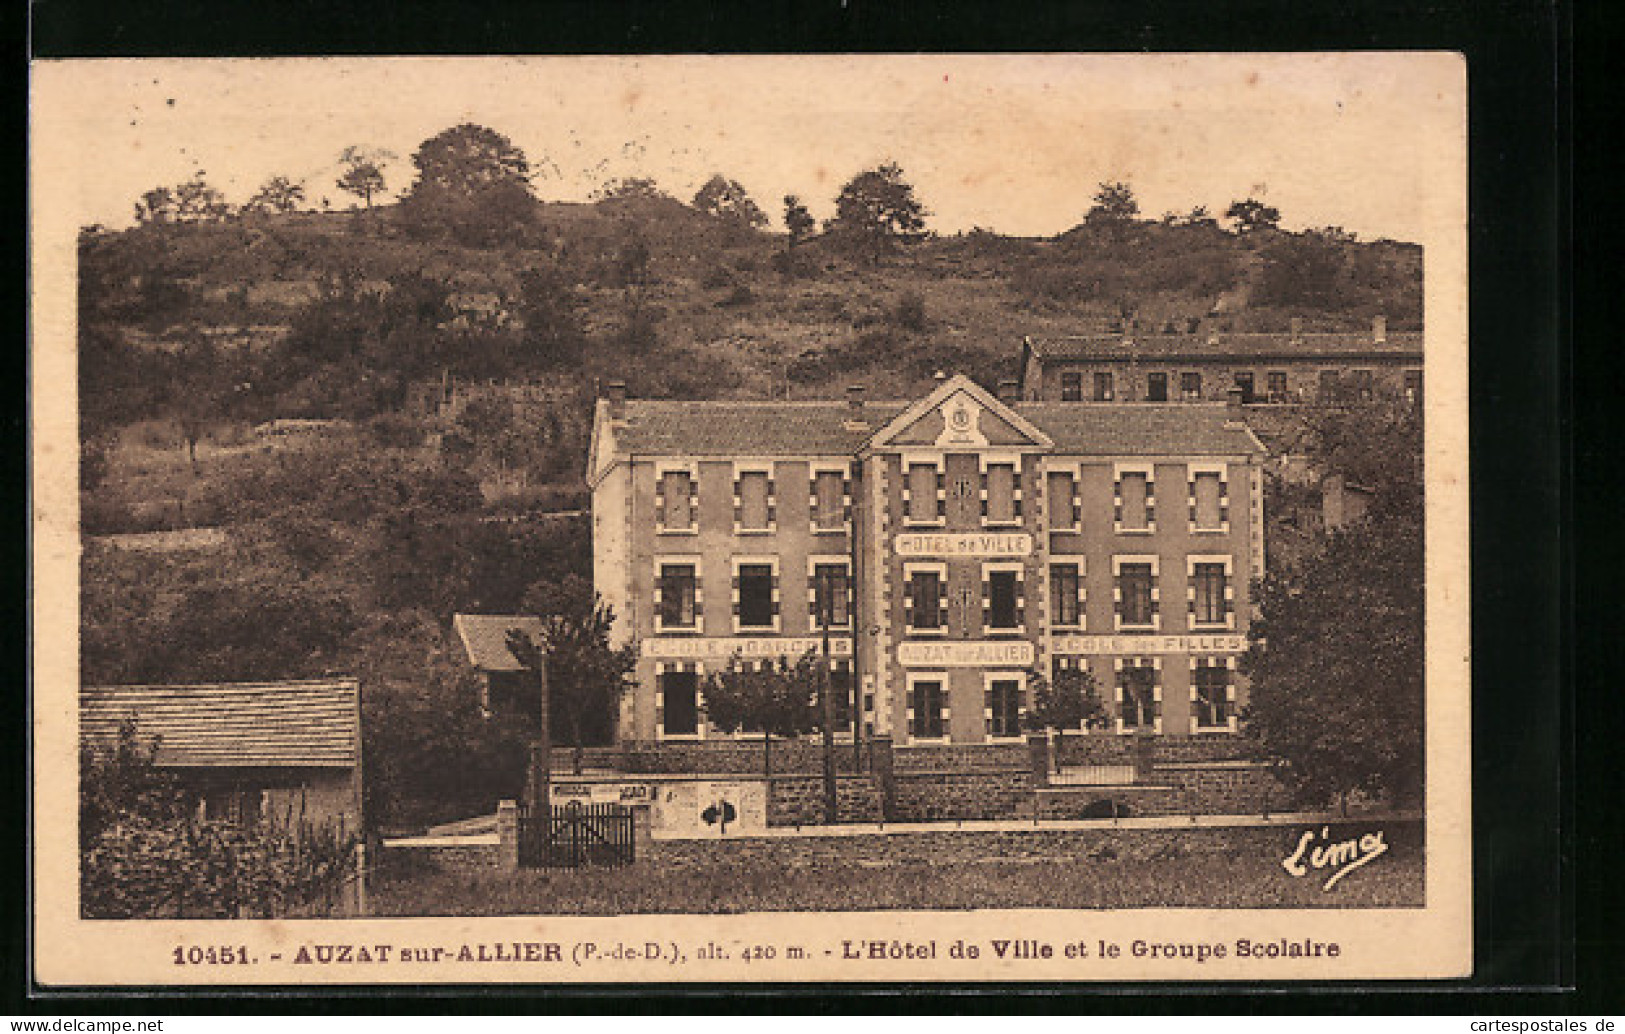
(309, 724)
(485, 638)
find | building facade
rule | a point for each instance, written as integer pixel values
(940, 550)
(282, 752)
(1204, 364)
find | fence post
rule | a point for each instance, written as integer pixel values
(508, 834)
(1038, 757)
(880, 763)
(361, 878)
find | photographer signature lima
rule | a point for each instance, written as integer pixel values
(1345, 855)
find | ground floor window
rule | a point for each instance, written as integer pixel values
(840, 688)
(925, 700)
(1138, 704)
(679, 703)
(1004, 706)
(1212, 696)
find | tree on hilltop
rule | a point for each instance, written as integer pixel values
(277, 194)
(797, 219)
(473, 185)
(875, 211)
(1252, 215)
(363, 173)
(727, 200)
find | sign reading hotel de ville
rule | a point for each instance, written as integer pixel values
(937, 544)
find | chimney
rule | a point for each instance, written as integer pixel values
(1297, 328)
(1010, 391)
(855, 420)
(1212, 330)
(615, 391)
(1232, 407)
(1379, 330)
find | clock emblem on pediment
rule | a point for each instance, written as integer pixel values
(962, 419)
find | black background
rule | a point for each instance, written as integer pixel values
(1526, 465)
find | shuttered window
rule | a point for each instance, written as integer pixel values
(1133, 489)
(753, 500)
(1208, 501)
(1001, 493)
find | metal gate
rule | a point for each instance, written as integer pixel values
(574, 835)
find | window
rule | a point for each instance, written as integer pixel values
(1103, 387)
(925, 601)
(1208, 582)
(1063, 500)
(829, 500)
(679, 703)
(1156, 387)
(925, 710)
(1072, 387)
(925, 502)
(1413, 387)
(1364, 385)
(1136, 603)
(1244, 381)
(1064, 596)
(1207, 501)
(1004, 707)
(1137, 696)
(840, 688)
(679, 597)
(832, 595)
(1330, 385)
(1003, 600)
(1000, 504)
(753, 503)
(674, 502)
(1277, 385)
(1210, 695)
(757, 606)
(1190, 387)
(1134, 502)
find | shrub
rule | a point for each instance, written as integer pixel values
(910, 312)
(740, 295)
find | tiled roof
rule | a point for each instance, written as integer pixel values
(822, 428)
(658, 428)
(1399, 344)
(1140, 428)
(234, 724)
(485, 637)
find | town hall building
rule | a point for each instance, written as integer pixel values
(938, 550)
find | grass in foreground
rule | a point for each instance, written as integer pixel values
(1109, 869)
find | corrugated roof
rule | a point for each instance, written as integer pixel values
(485, 638)
(659, 428)
(233, 725)
(1399, 344)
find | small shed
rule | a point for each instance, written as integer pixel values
(281, 751)
(504, 688)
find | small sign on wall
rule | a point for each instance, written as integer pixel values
(705, 810)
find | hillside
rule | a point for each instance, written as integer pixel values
(373, 502)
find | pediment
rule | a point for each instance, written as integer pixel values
(959, 415)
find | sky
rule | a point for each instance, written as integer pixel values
(1012, 143)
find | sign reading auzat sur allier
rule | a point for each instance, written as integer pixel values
(967, 544)
(746, 646)
(1015, 653)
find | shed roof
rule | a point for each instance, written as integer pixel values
(485, 638)
(309, 724)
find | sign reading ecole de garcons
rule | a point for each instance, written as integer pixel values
(694, 647)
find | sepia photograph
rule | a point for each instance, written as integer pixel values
(772, 518)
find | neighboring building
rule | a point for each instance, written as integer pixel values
(504, 689)
(1204, 364)
(279, 751)
(955, 542)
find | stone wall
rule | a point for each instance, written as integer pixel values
(979, 757)
(1224, 787)
(732, 757)
(799, 800)
(1095, 802)
(935, 796)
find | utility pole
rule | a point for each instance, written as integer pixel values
(825, 613)
(539, 775)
